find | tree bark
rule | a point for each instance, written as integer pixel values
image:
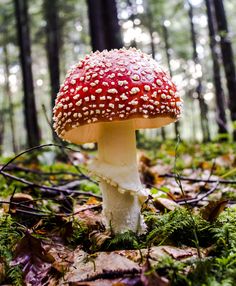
(9, 96)
(52, 32)
(132, 18)
(2, 127)
(167, 50)
(111, 24)
(202, 103)
(96, 25)
(52, 47)
(30, 113)
(104, 25)
(228, 59)
(220, 97)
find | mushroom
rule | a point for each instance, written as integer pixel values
(104, 99)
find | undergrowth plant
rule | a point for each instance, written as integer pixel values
(10, 233)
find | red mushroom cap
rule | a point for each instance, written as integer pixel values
(113, 86)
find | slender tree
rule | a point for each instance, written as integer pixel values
(5, 40)
(30, 113)
(111, 24)
(9, 96)
(228, 58)
(52, 47)
(202, 103)
(149, 24)
(219, 92)
(2, 129)
(130, 5)
(96, 25)
(52, 33)
(168, 57)
(104, 26)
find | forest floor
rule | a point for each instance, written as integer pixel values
(51, 230)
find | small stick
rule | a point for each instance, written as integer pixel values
(196, 200)
(183, 178)
(47, 188)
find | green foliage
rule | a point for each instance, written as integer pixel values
(79, 234)
(216, 269)
(16, 276)
(225, 231)
(125, 240)
(87, 186)
(177, 227)
(10, 232)
(173, 270)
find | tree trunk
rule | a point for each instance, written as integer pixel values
(153, 51)
(167, 50)
(52, 32)
(96, 25)
(104, 25)
(202, 103)
(111, 25)
(9, 96)
(228, 59)
(2, 127)
(132, 18)
(220, 98)
(30, 113)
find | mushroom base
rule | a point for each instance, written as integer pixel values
(116, 167)
(121, 211)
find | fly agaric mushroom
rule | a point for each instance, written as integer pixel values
(104, 99)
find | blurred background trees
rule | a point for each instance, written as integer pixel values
(40, 40)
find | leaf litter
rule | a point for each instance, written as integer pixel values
(73, 247)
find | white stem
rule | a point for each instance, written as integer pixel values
(119, 178)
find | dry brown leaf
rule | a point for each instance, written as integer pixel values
(149, 277)
(2, 271)
(98, 238)
(94, 266)
(92, 219)
(35, 260)
(143, 159)
(93, 201)
(163, 204)
(213, 209)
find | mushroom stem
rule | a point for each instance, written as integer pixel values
(119, 178)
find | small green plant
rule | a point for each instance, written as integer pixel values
(125, 240)
(10, 233)
(176, 227)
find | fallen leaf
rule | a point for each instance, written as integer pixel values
(93, 201)
(92, 219)
(99, 265)
(149, 277)
(163, 204)
(98, 238)
(143, 159)
(2, 271)
(35, 261)
(213, 209)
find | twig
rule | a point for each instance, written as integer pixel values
(110, 274)
(195, 180)
(23, 206)
(48, 145)
(179, 183)
(47, 188)
(198, 199)
(13, 167)
(33, 149)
